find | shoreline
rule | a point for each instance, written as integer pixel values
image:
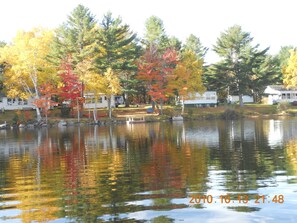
(121, 115)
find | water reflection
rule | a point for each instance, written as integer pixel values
(130, 173)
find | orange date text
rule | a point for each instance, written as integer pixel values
(236, 199)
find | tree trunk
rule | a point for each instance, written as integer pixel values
(95, 110)
(153, 105)
(127, 102)
(183, 105)
(77, 106)
(240, 100)
(109, 106)
(38, 114)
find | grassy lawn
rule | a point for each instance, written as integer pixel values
(168, 111)
(258, 109)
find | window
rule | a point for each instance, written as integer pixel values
(288, 95)
(283, 96)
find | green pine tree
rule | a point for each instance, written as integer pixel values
(75, 38)
(194, 44)
(117, 48)
(2, 66)
(243, 68)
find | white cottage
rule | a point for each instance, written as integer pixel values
(233, 99)
(207, 99)
(16, 103)
(101, 102)
(279, 93)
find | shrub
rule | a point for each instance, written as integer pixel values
(230, 114)
(65, 112)
(282, 106)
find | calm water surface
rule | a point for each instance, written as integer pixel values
(206, 171)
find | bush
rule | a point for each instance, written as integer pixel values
(65, 112)
(15, 119)
(230, 114)
(190, 111)
(282, 106)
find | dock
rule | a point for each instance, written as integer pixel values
(134, 119)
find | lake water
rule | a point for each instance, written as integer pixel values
(206, 171)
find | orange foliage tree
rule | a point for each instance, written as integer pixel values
(156, 70)
(45, 102)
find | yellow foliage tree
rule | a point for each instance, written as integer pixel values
(188, 75)
(291, 153)
(290, 71)
(92, 82)
(107, 84)
(27, 65)
(111, 87)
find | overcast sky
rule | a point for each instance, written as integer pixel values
(272, 23)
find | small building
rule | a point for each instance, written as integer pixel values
(233, 99)
(101, 102)
(279, 93)
(207, 99)
(15, 103)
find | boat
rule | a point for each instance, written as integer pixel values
(4, 126)
(62, 123)
(177, 118)
(22, 126)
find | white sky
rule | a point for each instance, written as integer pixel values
(272, 23)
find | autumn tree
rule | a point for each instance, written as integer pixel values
(98, 84)
(111, 86)
(188, 75)
(93, 83)
(27, 67)
(45, 102)
(71, 89)
(117, 48)
(290, 71)
(156, 70)
(75, 39)
(280, 60)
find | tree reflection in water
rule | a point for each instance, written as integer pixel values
(118, 173)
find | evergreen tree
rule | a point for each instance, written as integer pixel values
(2, 66)
(75, 39)
(117, 49)
(193, 44)
(243, 68)
(155, 32)
(174, 43)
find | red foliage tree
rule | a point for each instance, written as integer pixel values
(72, 88)
(156, 70)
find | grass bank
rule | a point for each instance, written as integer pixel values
(120, 114)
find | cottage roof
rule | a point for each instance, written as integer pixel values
(281, 88)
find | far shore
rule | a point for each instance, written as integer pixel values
(122, 114)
